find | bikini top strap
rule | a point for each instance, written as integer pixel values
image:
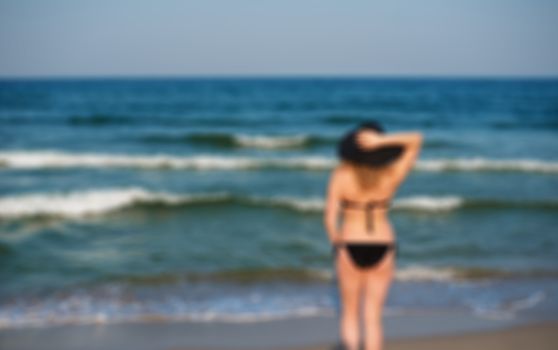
(367, 206)
(345, 203)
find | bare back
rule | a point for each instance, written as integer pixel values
(353, 226)
(344, 185)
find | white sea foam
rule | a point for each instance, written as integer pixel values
(95, 308)
(109, 303)
(102, 201)
(264, 141)
(429, 203)
(87, 203)
(57, 159)
(506, 310)
(60, 159)
(426, 273)
(299, 204)
(483, 164)
(414, 203)
(83, 315)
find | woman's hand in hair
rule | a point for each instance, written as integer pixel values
(367, 139)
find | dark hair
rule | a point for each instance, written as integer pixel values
(372, 125)
(350, 151)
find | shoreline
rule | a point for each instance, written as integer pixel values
(540, 336)
(420, 330)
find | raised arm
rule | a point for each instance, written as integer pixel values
(411, 141)
(331, 210)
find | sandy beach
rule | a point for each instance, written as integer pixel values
(413, 331)
(540, 336)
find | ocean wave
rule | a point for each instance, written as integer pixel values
(430, 273)
(410, 273)
(301, 275)
(262, 141)
(228, 140)
(100, 120)
(237, 276)
(96, 202)
(5, 250)
(112, 304)
(107, 120)
(225, 297)
(524, 124)
(233, 140)
(56, 159)
(405, 122)
(483, 164)
(505, 310)
(60, 159)
(53, 159)
(103, 201)
(107, 315)
(429, 203)
(118, 301)
(432, 204)
(90, 202)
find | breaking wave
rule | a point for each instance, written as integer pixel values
(483, 164)
(171, 298)
(104, 201)
(56, 159)
(227, 140)
(59, 159)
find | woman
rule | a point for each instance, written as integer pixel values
(372, 167)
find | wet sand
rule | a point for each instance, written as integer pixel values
(411, 331)
(540, 336)
(543, 336)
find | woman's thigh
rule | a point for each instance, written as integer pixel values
(378, 280)
(350, 278)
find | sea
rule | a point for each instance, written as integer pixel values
(201, 198)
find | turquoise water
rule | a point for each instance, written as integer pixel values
(202, 198)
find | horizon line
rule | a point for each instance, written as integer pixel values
(279, 76)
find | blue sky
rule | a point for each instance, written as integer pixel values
(278, 37)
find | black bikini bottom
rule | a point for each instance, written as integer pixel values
(366, 255)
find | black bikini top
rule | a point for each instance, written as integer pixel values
(367, 206)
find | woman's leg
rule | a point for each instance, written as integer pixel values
(377, 283)
(350, 288)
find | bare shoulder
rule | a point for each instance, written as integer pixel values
(341, 172)
(341, 177)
